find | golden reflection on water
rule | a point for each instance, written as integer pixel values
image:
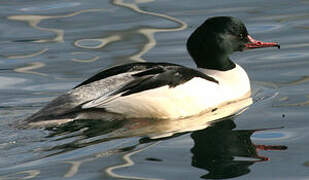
(27, 55)
(34, 20)
(134, 7)
(127, 163)
(146, 32)
(84, 60)
(149, 32)
(30, 67)
(283, 102)
(29, 174)
(101, 42)
(75, 164)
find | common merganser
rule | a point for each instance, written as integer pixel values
(163, 90)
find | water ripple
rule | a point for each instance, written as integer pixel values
(34, 20)
(29, 68)
(46, 7)
(146, 32)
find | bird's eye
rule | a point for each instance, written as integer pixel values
(241, 36)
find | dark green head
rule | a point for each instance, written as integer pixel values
(218, 37)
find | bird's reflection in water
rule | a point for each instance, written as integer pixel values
(224, 152)
(152, 128)
(218, 148)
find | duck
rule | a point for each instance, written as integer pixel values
(163, 90)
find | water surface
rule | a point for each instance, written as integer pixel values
(48, 47)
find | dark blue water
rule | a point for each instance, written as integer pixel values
(48, 47)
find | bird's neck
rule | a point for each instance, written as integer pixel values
(214, 60)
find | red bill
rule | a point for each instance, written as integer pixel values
(260, 44)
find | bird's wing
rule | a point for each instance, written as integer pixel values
(150, 79)
(125, 68)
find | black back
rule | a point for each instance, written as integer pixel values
(121, 69)
(150, 76)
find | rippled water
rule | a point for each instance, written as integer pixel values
(48, 47)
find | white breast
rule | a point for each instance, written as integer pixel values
(234, 83)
